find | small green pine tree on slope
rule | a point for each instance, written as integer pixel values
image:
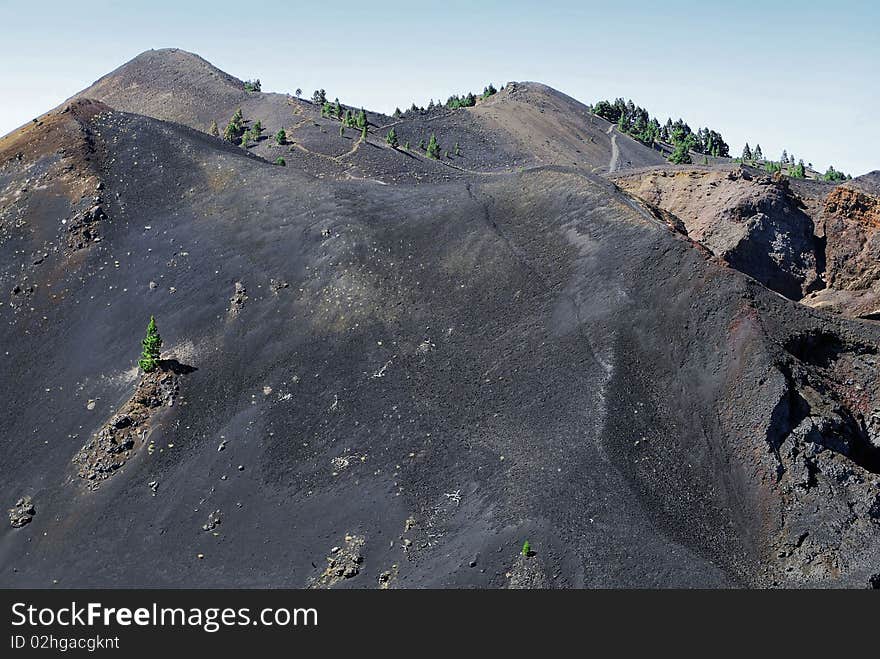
(433, 148)
(152, 346)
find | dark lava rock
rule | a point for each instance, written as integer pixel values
(110, 448)
(214, 520)
(22, 513)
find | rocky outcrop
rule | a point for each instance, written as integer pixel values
(236, 302)
(852, 228)
(753, 222)
(82, 228)
(824, 436)
(22, 513)
(342, 563)
(113, 445)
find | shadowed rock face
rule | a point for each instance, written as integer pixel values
(810, 241)
(751, 221)
(396, 385)
(852, 226)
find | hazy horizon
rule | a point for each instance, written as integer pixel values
(793, 78)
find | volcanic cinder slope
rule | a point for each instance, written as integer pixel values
(383, 370)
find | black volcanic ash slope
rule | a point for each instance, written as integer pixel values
(420, 376)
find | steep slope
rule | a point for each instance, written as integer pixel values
(528, 124)
(170, 84)
(425, 375)
(559, 130)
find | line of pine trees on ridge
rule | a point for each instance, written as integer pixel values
(454, 102)
(635, 121)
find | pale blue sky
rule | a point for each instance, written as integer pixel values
(796, 75)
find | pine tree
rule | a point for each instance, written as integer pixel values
(213, 130)
(757, 155)
(457, 150)
(257, 129)
(784, 158)
(433, 149)
(364, 134)
(362, 119)
(319, 97)
(152, 347)
(338, 110)
(346, 118)
(230, 133)
(397, 113)
(244, 140)
(391, 139)
(680, 155)
(280, 161)
(747, 152)
(281, 136)
(832, 174)
(342, 130)
(238, 117)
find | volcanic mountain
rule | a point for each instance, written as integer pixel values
(384, 369)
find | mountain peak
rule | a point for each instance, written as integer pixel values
(170, 84)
